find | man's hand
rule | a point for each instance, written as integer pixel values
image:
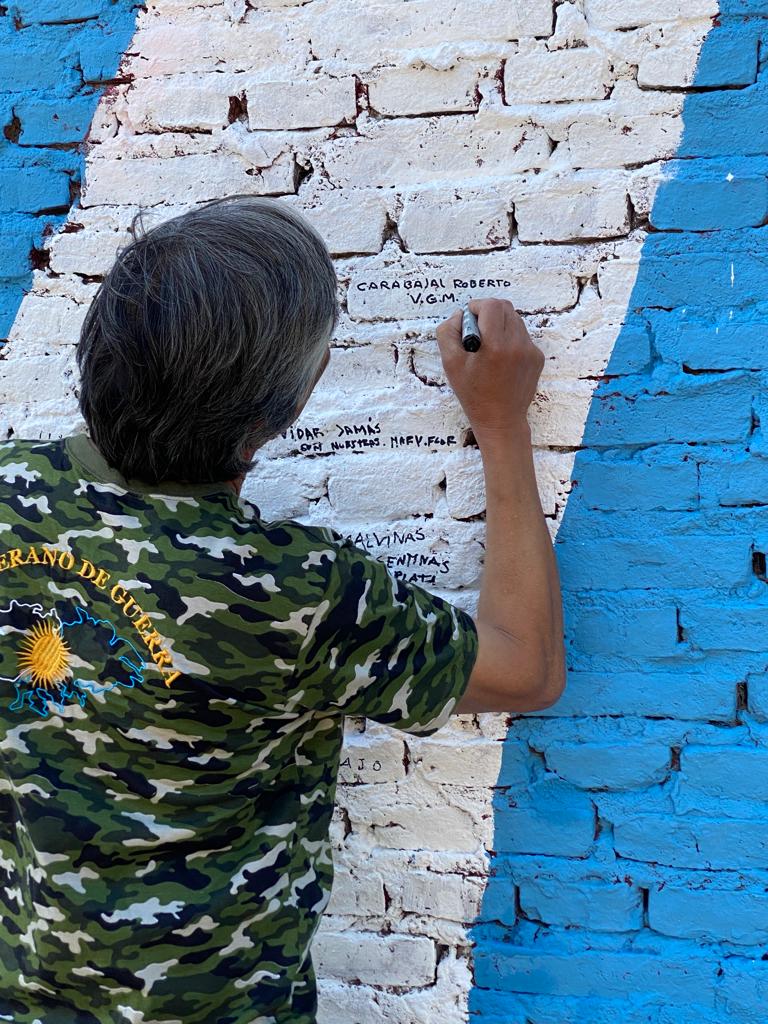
(496, 384)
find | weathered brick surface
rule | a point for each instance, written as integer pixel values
(603, 165)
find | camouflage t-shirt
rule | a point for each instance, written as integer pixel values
(175, 673)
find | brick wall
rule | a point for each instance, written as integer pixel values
(602, 165)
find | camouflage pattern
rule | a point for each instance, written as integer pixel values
(174, 673)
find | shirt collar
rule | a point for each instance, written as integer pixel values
(81, 448)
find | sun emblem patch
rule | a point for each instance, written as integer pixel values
(44, 655)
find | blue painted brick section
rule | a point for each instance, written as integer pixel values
(20, 63)
(44, 123)
(609, 766)
(47, 49)
(727, 123)
(621, 624)
(738, 773)
(657, 478)
(733, 61)
(710, 914)
(702, 696)
(96, 52)
(733, 478)
(692, 841)
(724, 626)
(597, 973)
(553, 818)
(711, 197)
(598, 906)
(716, 343)
(34, 12)
(26, 190)
(699, 411)
(757, 694)
(690, 261)
(616, 563)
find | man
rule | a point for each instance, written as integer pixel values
(177, 670)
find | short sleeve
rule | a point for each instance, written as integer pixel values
(379, 647)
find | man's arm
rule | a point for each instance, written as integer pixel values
(520, 664)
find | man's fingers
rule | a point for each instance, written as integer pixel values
(449, 334)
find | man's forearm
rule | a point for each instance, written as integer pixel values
(520, 592)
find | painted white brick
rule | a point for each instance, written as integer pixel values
(570, 26)
(370, 959)
(558, 414)
(575, 206)
(301, 103)
(607, 14)
(285, 488)
(362, 487)
(93, 253)
(411, 827)
(393, 152)
(349, 220)
(190, 101)
(451, 219)
(382, 28)
(44, 322)
(619, 140)
(372, 758)
(191, 178)
(441, 895)
(446, 1001)
(476, 763)
(356, 894)
(465, 483)
(540, 76)
(162, 47)
(409, 90)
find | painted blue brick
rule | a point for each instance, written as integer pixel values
(624, 626)
(731, 57)
(618, 563)
(23, 53)
(33, 12)
(712, 343)
(718, 270)
(697, 410)
(54, 107)
(710, 914)
(598, 906)
(16, 239)
(97, 47)
(597, 973)
(726, 123)
(744, 988)
(730, 772)
(692, 841)
(26, 190)
(554, 818)
(692, 695)
(757, 695)
(657, 478)
(735, 478)
(45, 122)
(725, 625)
(716, 201)
(609, 766)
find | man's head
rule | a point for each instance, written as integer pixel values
(205, 339)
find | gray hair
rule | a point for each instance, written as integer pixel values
(204, 338)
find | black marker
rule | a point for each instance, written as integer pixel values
(470, 332)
